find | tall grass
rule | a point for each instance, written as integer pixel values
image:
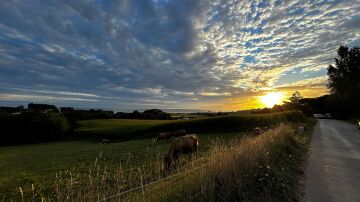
(102, 180)
(263, 168)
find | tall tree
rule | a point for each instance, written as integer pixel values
(344, 80)
(294, 102)
(295, 99)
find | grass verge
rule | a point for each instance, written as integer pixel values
(265, 168)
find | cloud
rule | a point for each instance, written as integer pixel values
(180, 53)
(40, 98)
(320, 81)
(351, 24)
(213, 94)
(58, 92)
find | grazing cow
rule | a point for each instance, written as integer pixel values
(182, 145)
(167, 135)
(163, 136)
(257, 131)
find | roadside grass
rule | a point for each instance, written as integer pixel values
(265, 168)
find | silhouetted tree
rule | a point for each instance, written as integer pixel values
(295, 99)
(344, 81)
(42, 107)
(294, 102)
(66, 109)
(135, 114)
(155, 114)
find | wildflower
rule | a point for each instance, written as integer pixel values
(268, 167)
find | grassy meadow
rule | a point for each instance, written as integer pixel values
(127, 129)
(37, 164)
(84, 170)
(120, 129)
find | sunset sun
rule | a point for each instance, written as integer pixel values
(272, 98)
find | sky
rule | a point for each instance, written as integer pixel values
(215, 55)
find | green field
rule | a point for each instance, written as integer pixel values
(118, 125)
(126, 129)
(39, 164)
(117, 128)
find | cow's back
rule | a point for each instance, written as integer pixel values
(189, 143)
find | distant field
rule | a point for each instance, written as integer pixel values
(117, 127)
(126, 129)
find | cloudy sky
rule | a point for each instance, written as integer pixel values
(138, 54)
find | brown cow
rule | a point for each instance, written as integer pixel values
(182, 145)
(163, 136)
(167, 135)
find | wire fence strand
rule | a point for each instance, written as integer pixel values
(154, 182)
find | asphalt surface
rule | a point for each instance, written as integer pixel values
(333, 169)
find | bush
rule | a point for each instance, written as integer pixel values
(33, 127)
(153, 114)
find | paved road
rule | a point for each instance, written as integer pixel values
(333, 168)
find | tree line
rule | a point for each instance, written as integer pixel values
(44, 122)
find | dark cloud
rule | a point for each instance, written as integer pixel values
(352, 24)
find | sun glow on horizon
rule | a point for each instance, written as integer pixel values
(272, 98)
